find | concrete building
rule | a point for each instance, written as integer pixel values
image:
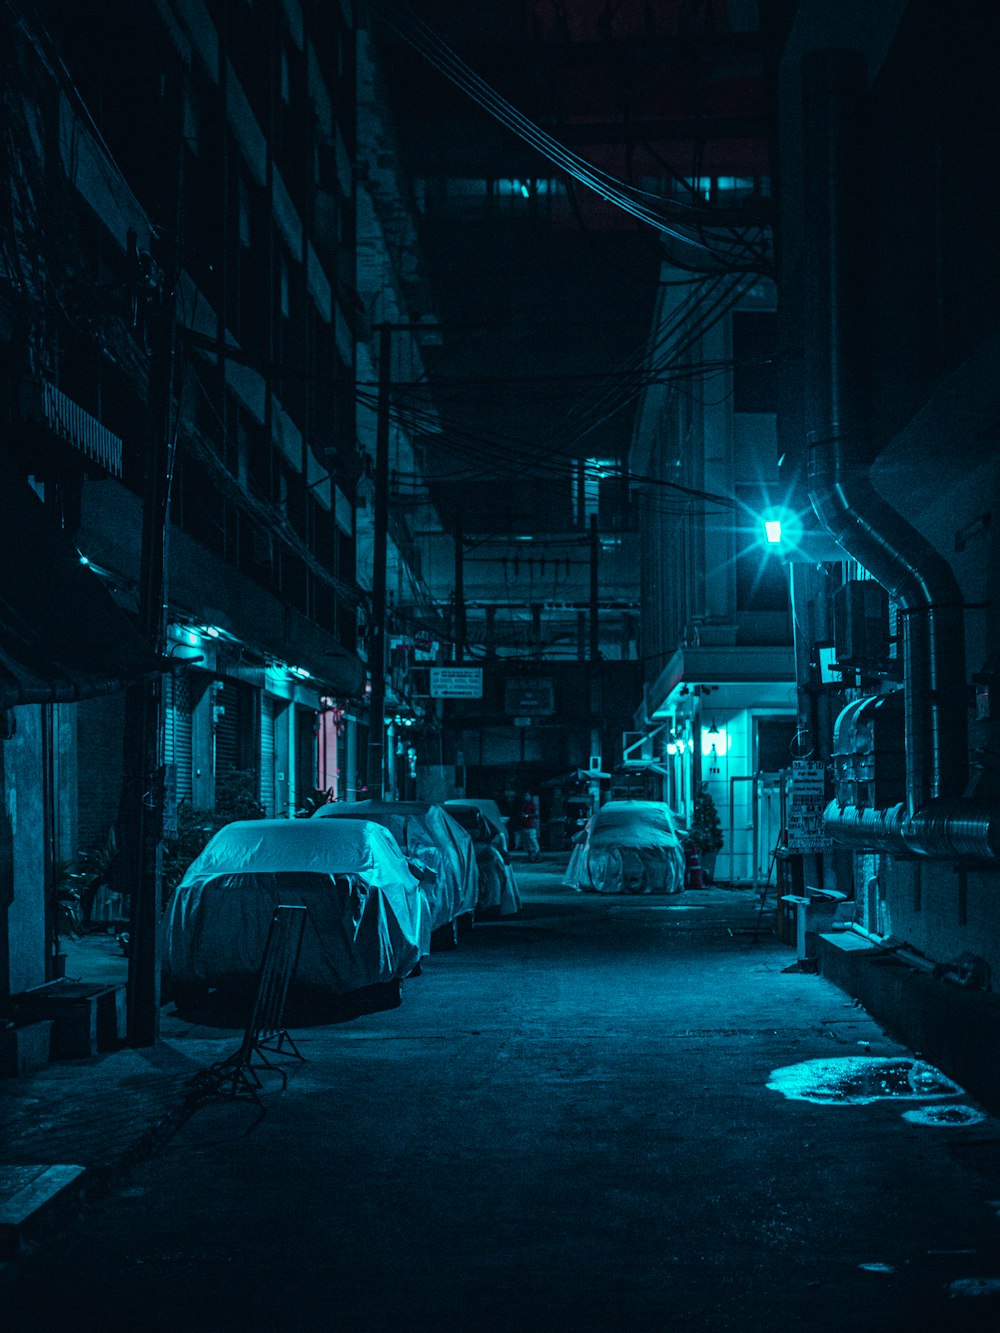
(886, 431)
(185, 319)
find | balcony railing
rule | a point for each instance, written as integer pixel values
(42, 402)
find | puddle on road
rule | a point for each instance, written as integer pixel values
(975, 1286)
(656, 907)
(860, 1079)
(944, 1115)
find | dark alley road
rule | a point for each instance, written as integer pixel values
(566, 1125)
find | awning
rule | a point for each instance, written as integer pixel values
(62, 637)
(576, 775)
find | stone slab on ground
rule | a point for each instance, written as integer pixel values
(27, 1194)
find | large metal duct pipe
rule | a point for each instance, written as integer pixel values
(934, 821)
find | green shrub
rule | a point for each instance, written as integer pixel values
(706, 830)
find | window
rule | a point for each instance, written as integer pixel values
(592, 477)
(285, 287)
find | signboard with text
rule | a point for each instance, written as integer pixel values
(529, 698)
(456, 682)
(806, 806)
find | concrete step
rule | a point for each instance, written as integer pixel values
(29, 1194)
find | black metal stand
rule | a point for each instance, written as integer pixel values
(236, 1076)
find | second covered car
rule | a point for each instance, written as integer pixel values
(498, 895)
(429, 836)
(628, 847)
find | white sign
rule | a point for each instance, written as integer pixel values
(805, 811)
(456, 682)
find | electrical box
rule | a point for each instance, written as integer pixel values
(861, 625)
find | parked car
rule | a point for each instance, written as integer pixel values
(491, 811)
(438, 849)
(498, 894)
(628, 847)
(368, 921)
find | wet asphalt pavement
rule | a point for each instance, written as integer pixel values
(566, 1125)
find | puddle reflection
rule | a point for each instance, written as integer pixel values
(860, 1079)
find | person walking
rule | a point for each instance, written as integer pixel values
(526, 827)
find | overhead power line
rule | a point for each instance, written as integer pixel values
(687, 232)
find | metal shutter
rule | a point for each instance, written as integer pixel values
(227, 730)
(267, 791)
(178, 748)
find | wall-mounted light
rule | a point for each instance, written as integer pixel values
(714, 741)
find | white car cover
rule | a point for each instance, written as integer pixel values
(490, 811)
(498, 892)
(368, 920)
(425, 833)
(628, 847)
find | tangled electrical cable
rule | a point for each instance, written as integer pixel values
(704, 244)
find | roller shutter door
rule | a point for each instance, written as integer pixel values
(178, 749)
(267, 792)
(227, 730)
(236, 734)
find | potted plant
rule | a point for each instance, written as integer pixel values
(706, 831)
(65, 911)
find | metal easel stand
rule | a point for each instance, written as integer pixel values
(236, 1076)
(775, 853)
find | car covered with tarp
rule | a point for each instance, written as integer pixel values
(628, 847)
(437, 847)
(367, 925)
(490, 810)
(498, 893)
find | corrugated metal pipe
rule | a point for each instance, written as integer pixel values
(935, 821)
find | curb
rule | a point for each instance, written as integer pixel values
(31, 1196)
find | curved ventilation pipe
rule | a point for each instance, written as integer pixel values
(935, 821)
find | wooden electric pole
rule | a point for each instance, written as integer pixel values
(143, 788)
(595, 628)
(460, 630)
(376, 639)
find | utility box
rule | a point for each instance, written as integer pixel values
(861, 626)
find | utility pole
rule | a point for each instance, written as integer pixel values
(376, 641)
(594, 663)
(143, 791)
(459, 591)
(595, 638)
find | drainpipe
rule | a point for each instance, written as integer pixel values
(935, 821)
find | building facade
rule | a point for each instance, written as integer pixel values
(184, 326)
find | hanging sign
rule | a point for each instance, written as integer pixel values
(806, 806)
(456, 682)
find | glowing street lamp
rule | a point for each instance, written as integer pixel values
(782, 528)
